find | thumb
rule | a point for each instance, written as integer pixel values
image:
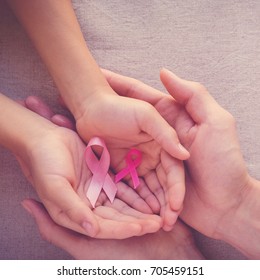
(67, 209)
(151, 122)
(198, 102)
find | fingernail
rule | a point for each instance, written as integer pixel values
(183, 150)
(88, 228)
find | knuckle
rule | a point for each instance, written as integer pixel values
(198, 87)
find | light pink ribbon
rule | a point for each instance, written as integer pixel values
(99, 168)
(133, 159)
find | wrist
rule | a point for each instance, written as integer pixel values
(78, 79)
(80, 102)
(56, 34)
(20, 127)
(241, 228)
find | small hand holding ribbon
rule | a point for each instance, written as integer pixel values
(132, 164)
(99, 168)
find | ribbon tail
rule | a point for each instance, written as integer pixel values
(93, 192)
(135, 178)
(110, 188)
(121, 174)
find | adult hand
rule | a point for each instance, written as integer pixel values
(216, 175)
(177, 244)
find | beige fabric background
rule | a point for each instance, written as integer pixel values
(214, 42)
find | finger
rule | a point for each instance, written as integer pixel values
(66, 208)
(194, 96)
(117, 221)
(171, 175)
(168, 215)
(61, 237)
(115, 229)
(133, 214)
(63, 121)
(122, 221)
(153, 124)
(134, 199)
(36, 105)
(155, 187)
(148, 117)
(146, 192)
(175, 180)
(133, 88)
(77, 245)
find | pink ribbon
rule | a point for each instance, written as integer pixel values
(131, 167)
(99, 168)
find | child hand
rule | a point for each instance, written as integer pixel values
(126, 123)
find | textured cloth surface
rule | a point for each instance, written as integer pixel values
(214, 42)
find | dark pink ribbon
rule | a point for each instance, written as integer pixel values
(133, 159)
(99, 168)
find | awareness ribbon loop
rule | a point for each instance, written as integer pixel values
(99, 168)
(133, 160)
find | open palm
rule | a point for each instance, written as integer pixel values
(57, 168)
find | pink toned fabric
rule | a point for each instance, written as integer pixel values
(205, 41)
(99, 167)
